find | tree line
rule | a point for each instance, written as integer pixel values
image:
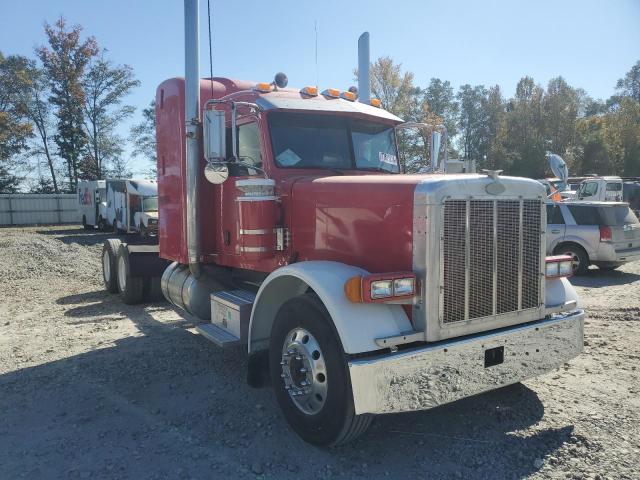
(513, 134)
(59, 113)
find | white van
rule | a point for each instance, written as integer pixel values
(92, 204)
(601, 189)
(132, 206)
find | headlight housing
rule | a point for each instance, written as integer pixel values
(558, 266)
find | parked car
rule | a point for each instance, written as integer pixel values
(606, 189)
(631, 195)
(605, 234)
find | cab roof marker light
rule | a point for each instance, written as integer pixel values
(348, 96)
(331, 92)
(376, 102)
(309, 91)
(263, 87)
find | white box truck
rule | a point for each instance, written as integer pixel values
(92, 204)
(132, 206)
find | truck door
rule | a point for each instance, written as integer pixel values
(250, 154)
(555, 227)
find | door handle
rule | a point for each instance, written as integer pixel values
(555, 231)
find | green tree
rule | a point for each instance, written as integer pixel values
(143, 135)
(15, 130)
(561, 105)
(629, 86)
(65, 60)
(472, 122)
(39, 112)
(105, 86)
(525, 142)
(441, 100)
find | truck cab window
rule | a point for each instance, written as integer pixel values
(306, 140)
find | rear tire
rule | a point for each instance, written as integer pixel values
(84, 223)
(102, 224)
(313, 387)
(115, 226)
(579, 256)
(131, 288)
(109, 265)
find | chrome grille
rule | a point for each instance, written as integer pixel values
(491, 258)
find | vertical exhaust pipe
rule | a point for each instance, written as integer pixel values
(192, 124)
(364, 85)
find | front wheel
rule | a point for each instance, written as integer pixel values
(309, 374)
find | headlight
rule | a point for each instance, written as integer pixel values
(403, 286)
(558, 266)
(381, 289)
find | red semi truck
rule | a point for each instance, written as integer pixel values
(289, 228)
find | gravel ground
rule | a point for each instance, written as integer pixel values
(93, 388)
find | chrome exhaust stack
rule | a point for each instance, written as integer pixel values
(364, 84)
(192, 118)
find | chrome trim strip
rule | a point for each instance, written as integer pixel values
(256, 198)
(520, 252)
(467, 257)
(495, 258)
(254, 249)
(259, 231)
(563, 307)
(396, 340)
(446, 371)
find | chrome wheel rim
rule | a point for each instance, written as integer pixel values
(122, 274)
(106, 266)
(304, 371)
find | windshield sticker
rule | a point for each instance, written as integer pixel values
(388, 158)
(288, 158)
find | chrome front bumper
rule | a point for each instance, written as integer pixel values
(453, 369)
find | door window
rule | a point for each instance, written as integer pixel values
(249, 148)
(590, 189)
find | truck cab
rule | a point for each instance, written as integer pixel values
(602, 189)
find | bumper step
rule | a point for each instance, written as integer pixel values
(218, 335)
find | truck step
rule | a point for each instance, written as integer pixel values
(218, 335)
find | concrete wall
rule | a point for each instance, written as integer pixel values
(33, 209)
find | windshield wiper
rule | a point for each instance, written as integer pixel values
(375, 169)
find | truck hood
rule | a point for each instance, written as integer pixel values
(368, 220)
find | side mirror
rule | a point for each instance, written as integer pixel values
(216, 173)
(215, 140)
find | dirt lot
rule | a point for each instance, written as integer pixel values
(92, 388)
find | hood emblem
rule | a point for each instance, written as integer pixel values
(495, 187)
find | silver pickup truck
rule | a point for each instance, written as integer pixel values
(605, 234)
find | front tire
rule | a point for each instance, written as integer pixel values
(579, 256)
(109, 265)
(309, 374)
(131, 288)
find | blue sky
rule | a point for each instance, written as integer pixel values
(590, 43)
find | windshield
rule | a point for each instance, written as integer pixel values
(150, 204)
(302, 140)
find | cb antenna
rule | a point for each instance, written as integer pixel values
(317, 74)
